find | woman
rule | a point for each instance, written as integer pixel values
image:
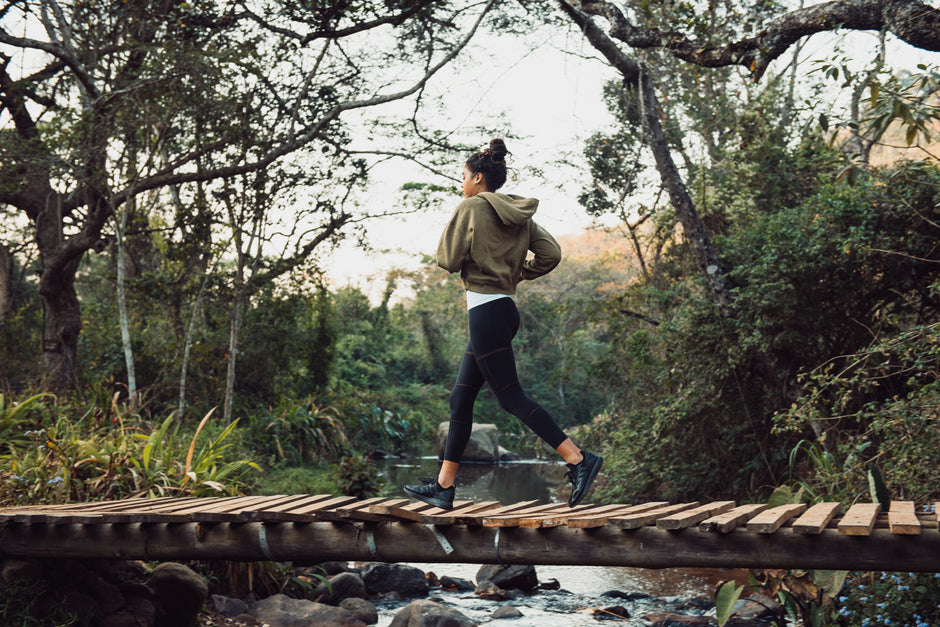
(487, 241)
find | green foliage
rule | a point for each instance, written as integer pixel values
(315, 478)
(356, 476)
(872, 599)
(879, 407)
(725, 600)
(297, 431)
(105, 455)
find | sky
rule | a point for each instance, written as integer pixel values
(548, 89)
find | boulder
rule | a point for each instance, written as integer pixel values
(429, 614)
(669, 619)
(612, 612)
(456, 583)
(341, 586)
(408, 581)
(227, 606)
(506, 611)
(282, 611)
(179, 591)
(517, 576)
(482, 447)
(361, 609)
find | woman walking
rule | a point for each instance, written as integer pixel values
(487, 240)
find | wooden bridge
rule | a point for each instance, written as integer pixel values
(318, 528)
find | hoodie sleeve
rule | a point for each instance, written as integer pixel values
(454, 245)
(546, 250)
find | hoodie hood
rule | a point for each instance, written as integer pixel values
(512, 210)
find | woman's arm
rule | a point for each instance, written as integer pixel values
(546, 250)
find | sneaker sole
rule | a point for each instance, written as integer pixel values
(596, 468)
(430, 500)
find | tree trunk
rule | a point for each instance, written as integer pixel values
(6, 282)
(681, 200)
(62, 326)
(122, 309)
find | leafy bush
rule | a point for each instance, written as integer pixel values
(105, 455)
(882, 406)
(885, 599)
(356, 476)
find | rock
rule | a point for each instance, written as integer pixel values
(227, 606)
(626, 596)
(19, 571)
(406, 580)
(179, 591)
(456, 583)
(551, 584)
(482, 447)
(688, 605)
(282, 611)
(429, 614)
(341, 586)
(669, 619)
(361, 609)
(518, 576)
(332, 568)
(139, 612)
(506, 611)
(505, 455)
(612, 612)
(756, 606)
(491, 592)
(433, 581)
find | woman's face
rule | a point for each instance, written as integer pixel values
(473, 184)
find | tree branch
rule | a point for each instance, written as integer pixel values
(912, 21)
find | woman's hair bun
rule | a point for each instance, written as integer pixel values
(497, 150)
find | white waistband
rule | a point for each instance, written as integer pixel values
(475, 299)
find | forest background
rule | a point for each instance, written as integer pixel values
(762, 317)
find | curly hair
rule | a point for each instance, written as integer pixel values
(491, 163)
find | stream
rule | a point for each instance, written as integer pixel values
(644, 591)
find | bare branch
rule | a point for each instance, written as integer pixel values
(912, 21)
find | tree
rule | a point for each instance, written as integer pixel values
(911, 20)
(212, 90)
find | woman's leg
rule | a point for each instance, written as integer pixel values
(462, 397)
(492, 328)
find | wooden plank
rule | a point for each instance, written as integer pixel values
(512, 519)
(769, 520)
(553, 519)
(280, 509)
(477, 518)
(600, 516)
(860, 519)
(227, 511)
(902, 519)
(413, 511)
(171, 510)
(816, 518)
(731, 520)
(689, 517)
(457, 515)
(641, 519)
(360, 510)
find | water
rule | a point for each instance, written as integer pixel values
(582, 586)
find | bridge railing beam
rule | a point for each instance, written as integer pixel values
(647, 547)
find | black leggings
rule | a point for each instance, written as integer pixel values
(489, 359)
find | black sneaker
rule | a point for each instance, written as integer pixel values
(582, 476)
(432, 493)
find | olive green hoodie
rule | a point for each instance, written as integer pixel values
(487, 240)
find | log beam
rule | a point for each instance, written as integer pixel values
(647, 547)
